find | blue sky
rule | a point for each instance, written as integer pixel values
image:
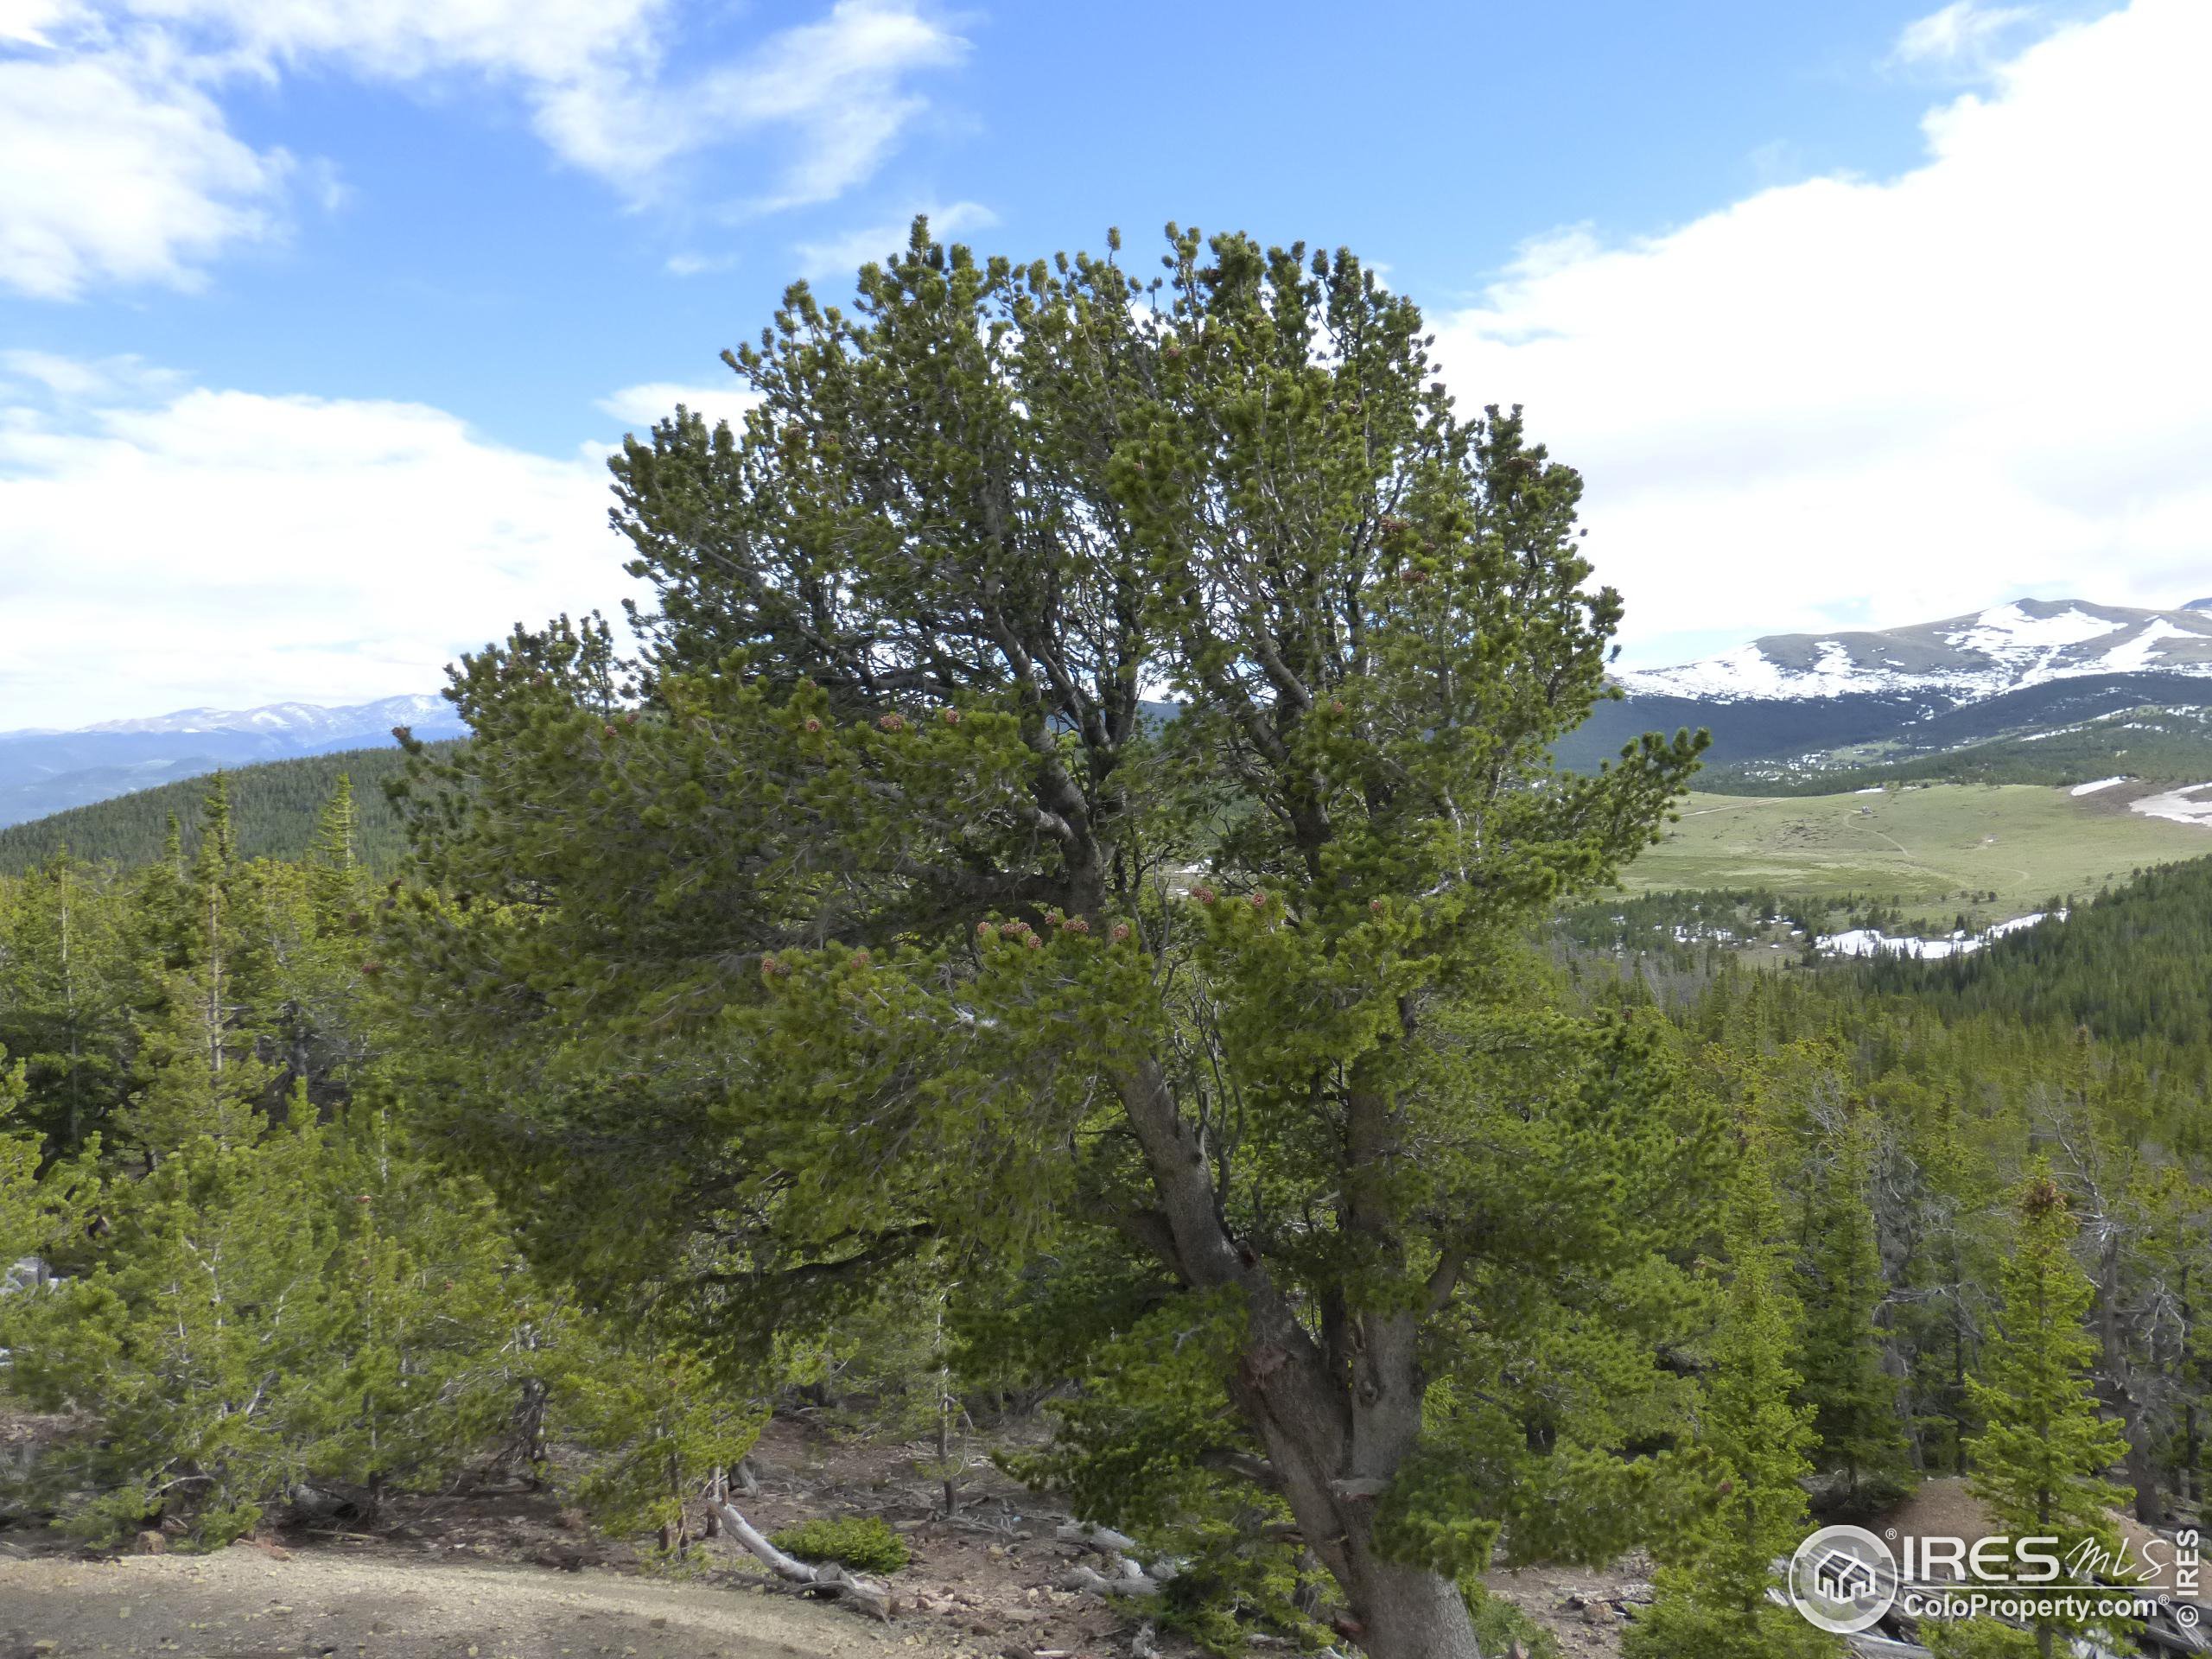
(315, 313)
(470, 265)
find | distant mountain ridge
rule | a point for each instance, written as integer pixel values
(1798, 706)
(300, 720)
(1785, 708)
(1960, 659)
(43, 771)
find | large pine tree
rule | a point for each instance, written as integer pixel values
(875, 907)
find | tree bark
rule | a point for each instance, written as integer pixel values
(1413, 1614)
(1335, 1432)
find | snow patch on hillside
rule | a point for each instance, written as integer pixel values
(2091, 789)
(2177, 805)
(1746, 672)
(1872, 942)
(2135, 655)
(2008, 630)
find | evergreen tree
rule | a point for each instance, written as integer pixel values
(1716, 1573)
(303, 1304)
(886, 750)
(201, 1080)
(64, 986)
(1853, 1394)
(208, 938)
(19, 1227)
(333, 862)
(1948, 1266)
(420, 1366)
(261, 1284)
(2039, 1463)
(323, 1023)
(658, 1424)
(205, 1301)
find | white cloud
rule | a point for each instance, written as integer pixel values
(116, 163)
(230, 549)
(700, 264)
(840, 83)
(112, 168)
(1850, 402)
(842, 256)
(115, 379)
(596, 74)
(26, 22)
(656, 400)
(403, 39)
(1963, 32)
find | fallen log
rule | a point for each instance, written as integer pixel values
(1104, 1539)
(1129, 1577)
(826, 1577)
(1134, 1581)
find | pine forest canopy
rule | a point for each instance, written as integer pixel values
(843, 923)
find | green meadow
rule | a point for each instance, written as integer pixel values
(1934, 850)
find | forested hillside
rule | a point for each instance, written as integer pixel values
(2156, 743)
(274, 807)
(2131, 964)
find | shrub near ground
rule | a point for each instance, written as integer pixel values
(862, 1542)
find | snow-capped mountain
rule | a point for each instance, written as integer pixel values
(43, 771)
(1961, 660)
(1807, 702)
(303, 721)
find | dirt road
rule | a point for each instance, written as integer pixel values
(241, 1604)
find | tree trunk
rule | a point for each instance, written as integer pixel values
(1958, 1385)
(2122, 1388)
(1413, 1614)
(2142, 1465)
(1336, 1424)
(827, 1577)
(1396, 1612)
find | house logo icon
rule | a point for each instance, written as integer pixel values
(1843, 1579)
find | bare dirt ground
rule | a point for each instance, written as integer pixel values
(1583, 1609)
(506, 1574)
(320, 1603)
(243, 1604)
